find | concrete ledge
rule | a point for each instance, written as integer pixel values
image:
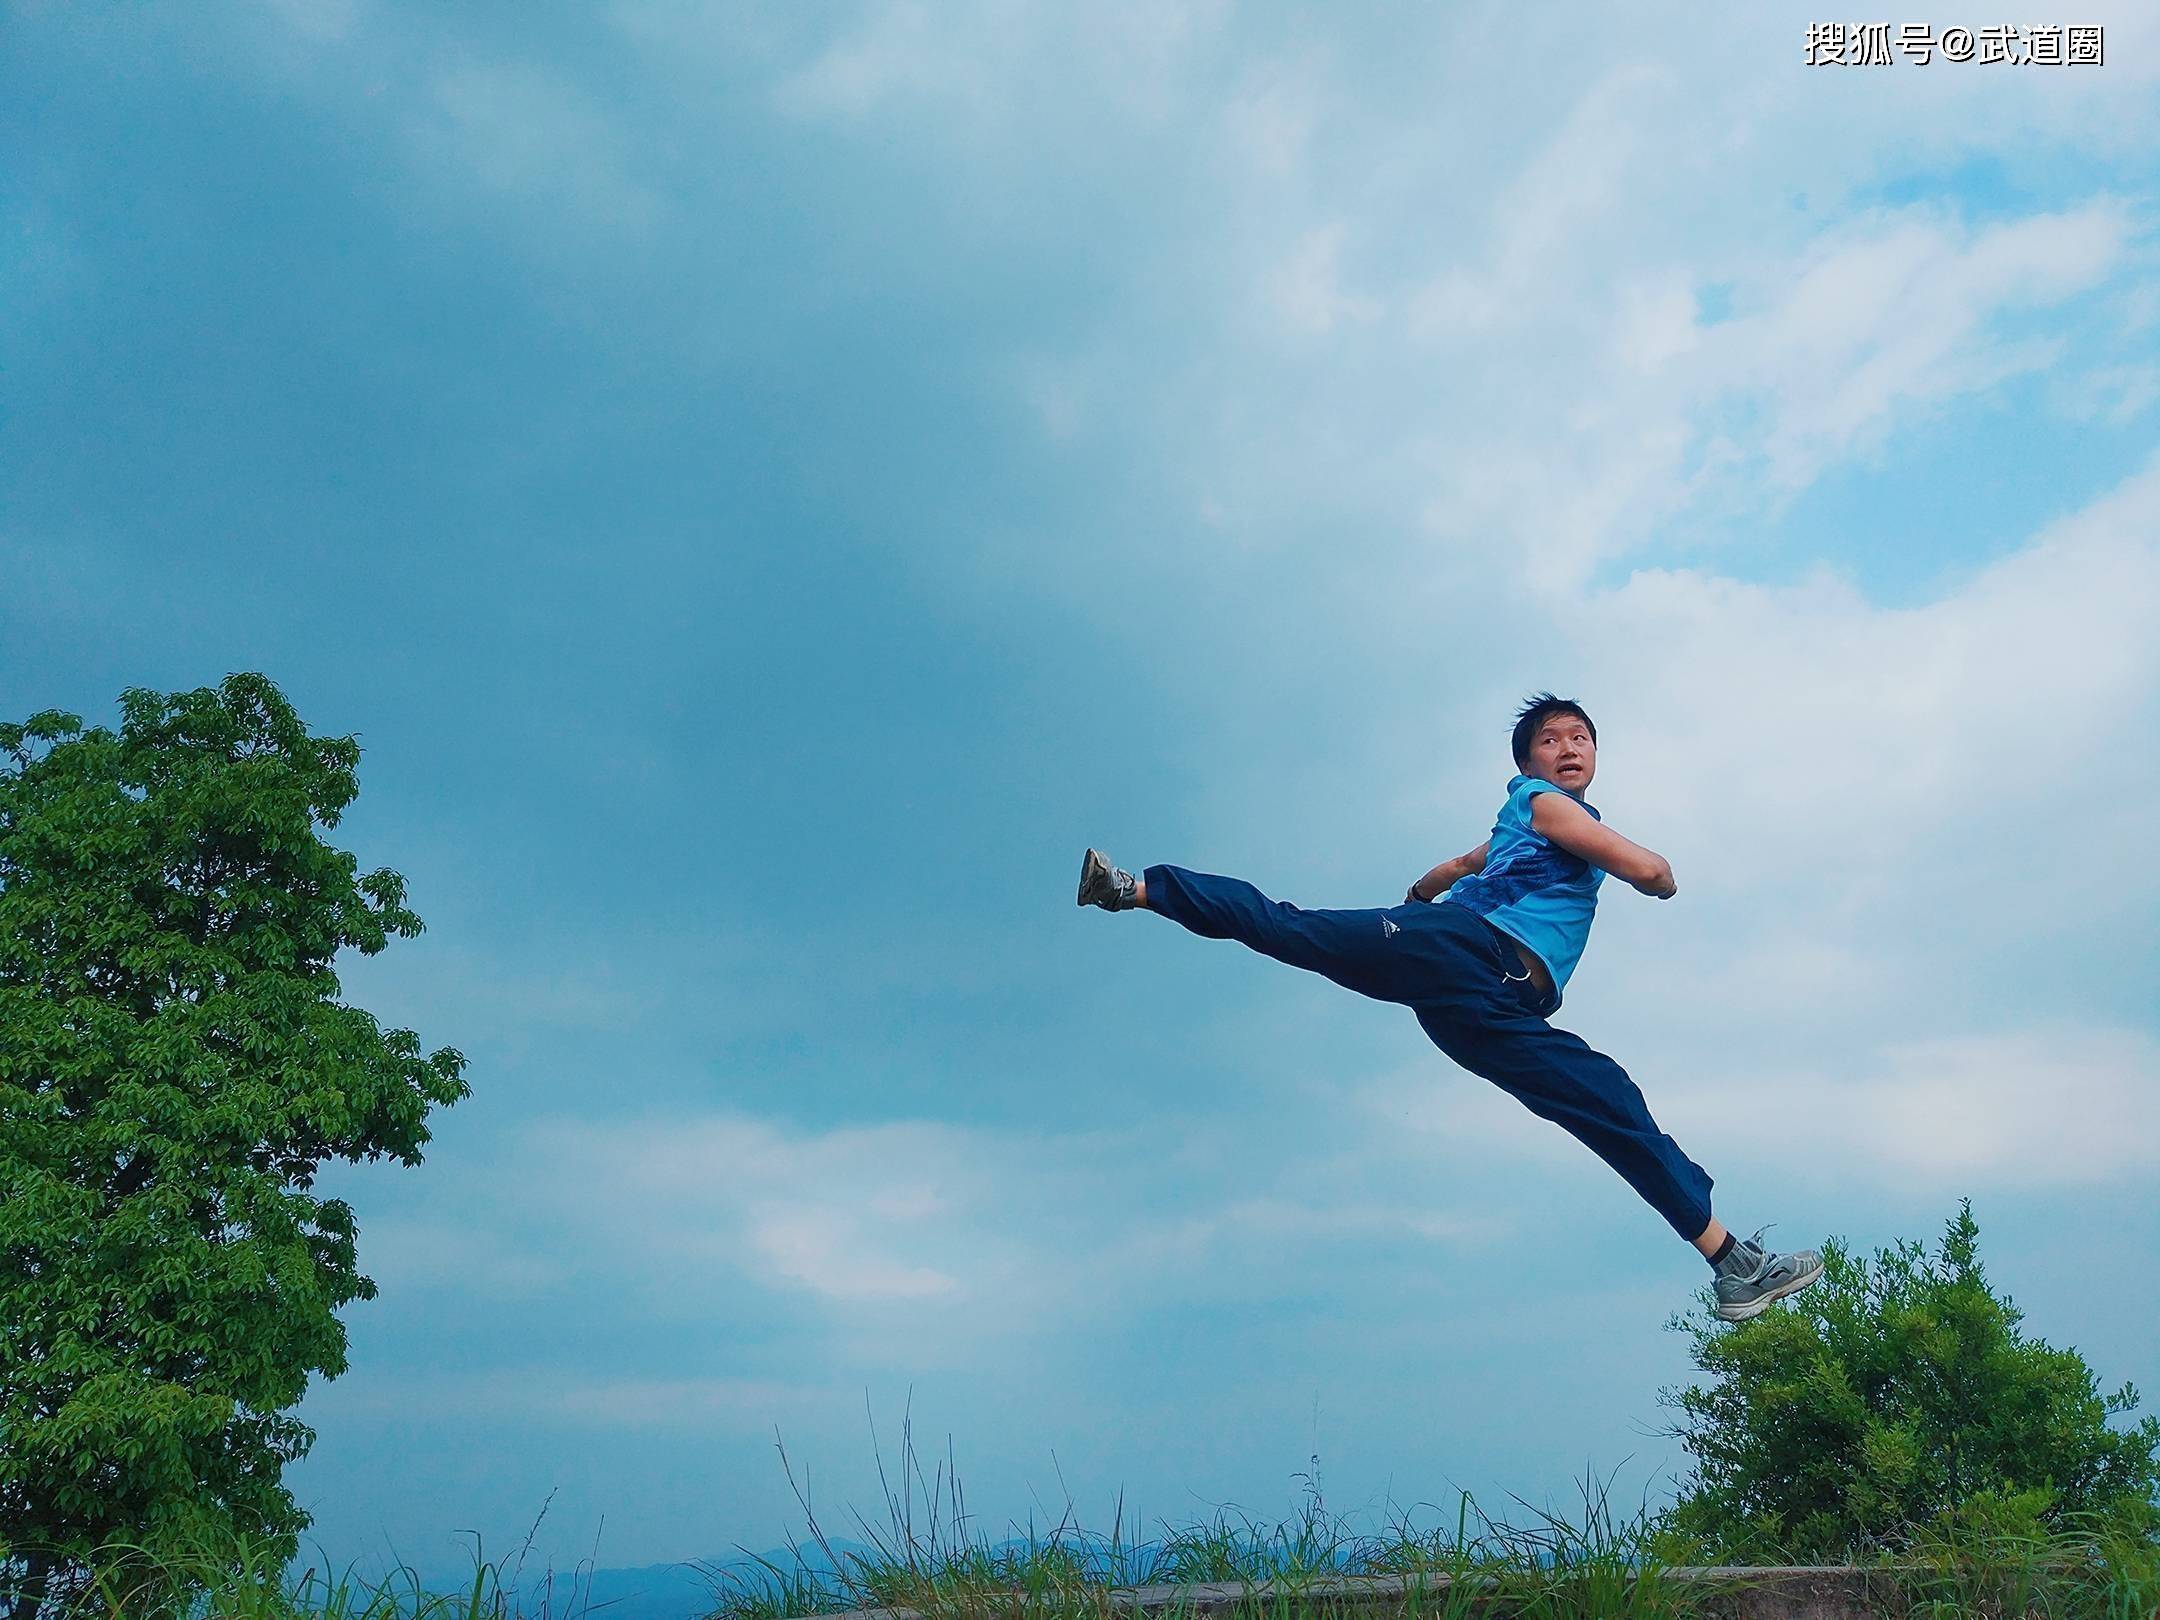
(1817, 1592)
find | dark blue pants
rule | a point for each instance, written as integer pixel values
(1462, 978)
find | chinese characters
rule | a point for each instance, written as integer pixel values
(1878, 44)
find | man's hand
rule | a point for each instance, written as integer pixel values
(1446, 875)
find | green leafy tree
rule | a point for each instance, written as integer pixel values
(1890, 1397)
(175, 1066)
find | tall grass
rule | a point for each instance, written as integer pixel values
(925, 1560)
(2082, 1566)
(235, 1578)
(1590, 1565)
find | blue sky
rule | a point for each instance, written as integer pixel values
(768, 485)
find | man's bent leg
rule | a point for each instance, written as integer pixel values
(1559, 1077)
(1361, 950)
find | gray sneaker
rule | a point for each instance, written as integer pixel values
(1750, 1277)
(1102, 884)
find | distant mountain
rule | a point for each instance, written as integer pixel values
(684, 1591)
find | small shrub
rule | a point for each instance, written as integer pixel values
(1896, 1396)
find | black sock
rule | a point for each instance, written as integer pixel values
(1723, 1249)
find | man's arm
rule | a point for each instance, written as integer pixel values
(1578, 832)
(1444, 876)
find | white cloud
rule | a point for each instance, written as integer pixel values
(1270, 121)
(1578, 178)
(1656, 320)
(914, 1243)
(1807, 728)
(1852, 336)
(2055, 1106)
(2115, 395)
(1306, 291)
(899, 50)
(2051, 1106)
(1891, 313)
(1546, 228)
(821, 1249)
(531, 133)
(978, 62)
(855, 1214)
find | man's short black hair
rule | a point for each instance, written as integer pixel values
(1536, 712)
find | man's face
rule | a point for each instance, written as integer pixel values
(1563, 754)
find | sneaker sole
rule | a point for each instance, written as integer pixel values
(1090, 864)
(1740, 1313)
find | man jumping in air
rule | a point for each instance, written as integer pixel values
(1484, 969)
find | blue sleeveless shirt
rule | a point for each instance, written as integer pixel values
(1533, 889)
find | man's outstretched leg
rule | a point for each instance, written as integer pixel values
(1559, 1077)
(1367, 950)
